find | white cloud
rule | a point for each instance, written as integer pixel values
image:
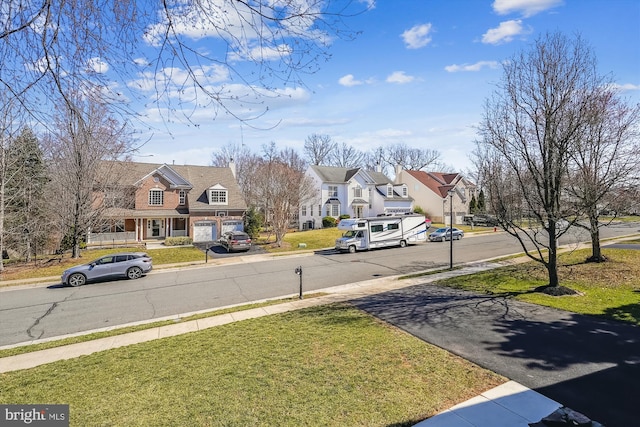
(626, 87)
(417, 36)
(97, 65)
(526, 7)
(399, 77)
(505, 32)
(471, 67)
(349, 80)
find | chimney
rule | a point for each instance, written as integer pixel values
(232, 166)
(378, 167)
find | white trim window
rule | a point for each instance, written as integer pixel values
(335, 210)
(333, 191)
(156, 197)
(182, 195)
(218, 196)
(303, 210)
(389, 190)
(357, 192)
(405, 191)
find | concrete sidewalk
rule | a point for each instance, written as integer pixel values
(509, 405)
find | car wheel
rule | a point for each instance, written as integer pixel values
(352, 249)
(443, 239)
(458, 237)
(403, 243)
(134, 273)
(77, 279)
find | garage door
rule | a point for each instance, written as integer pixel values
(204, 231)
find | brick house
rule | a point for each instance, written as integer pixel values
(154, 201)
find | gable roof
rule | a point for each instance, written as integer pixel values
(338, 175)
(438, 182)
(195, 179)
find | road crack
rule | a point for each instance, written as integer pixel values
(37, 321)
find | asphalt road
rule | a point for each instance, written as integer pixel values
(32, 313)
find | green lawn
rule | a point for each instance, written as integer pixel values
(610, 289)
(331, 365)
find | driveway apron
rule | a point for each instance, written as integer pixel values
(589, 364)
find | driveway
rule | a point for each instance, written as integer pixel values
(588, 364)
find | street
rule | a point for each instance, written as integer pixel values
(32, 313)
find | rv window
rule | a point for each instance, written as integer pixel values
(376, 228)
(393, 227)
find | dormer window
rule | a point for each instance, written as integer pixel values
(182, 195)
(405, 191)
(389, 190)
(156, 197)
(218, 195)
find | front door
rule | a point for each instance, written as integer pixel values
(156, 228)
(357, 210)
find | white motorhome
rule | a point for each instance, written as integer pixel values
(378, 232)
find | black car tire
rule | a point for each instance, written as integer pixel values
(77, 279)
(134, 273)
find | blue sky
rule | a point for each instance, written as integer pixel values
(418, 74)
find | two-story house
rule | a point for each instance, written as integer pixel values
(155, 201)
(438, 194)
(356, 192)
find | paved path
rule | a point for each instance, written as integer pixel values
(589, 364)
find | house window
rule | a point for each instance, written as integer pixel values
(221, 213)
(310, 210)
(405, 191)
(303, 210)
(156, 197)
(119, 226)
(335, 210)
(183, 197)
(357, 192)
(217, 197)
(319, 209)
(333, 191)
(389, 191)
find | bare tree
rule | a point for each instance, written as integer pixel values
(140, 49)
(87, 136)
(318, 148)
(346, 156)
(530, 126)
(604, 161)
(280, 187)
(410, 158)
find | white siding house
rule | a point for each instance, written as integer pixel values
(355, 192)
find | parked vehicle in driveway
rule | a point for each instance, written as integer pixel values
(234, 241)
(132, 265)
(445, 233)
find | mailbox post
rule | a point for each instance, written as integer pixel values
(298, 271)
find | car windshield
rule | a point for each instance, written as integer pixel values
(350, 233)
(441, 230)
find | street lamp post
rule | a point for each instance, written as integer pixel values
(450, 192)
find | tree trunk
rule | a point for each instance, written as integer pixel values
(594, 230)
(552, 265)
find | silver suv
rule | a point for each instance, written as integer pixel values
(132, 265)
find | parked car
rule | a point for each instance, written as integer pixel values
(234, 241)
(445, 233)
(132, 265)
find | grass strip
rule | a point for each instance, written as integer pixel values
(330, 365)
(128, 329)
(610, 289)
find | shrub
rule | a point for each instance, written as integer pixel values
(328, 222)
(178, 241)
(344, 216)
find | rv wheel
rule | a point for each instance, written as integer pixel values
(403, 243)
